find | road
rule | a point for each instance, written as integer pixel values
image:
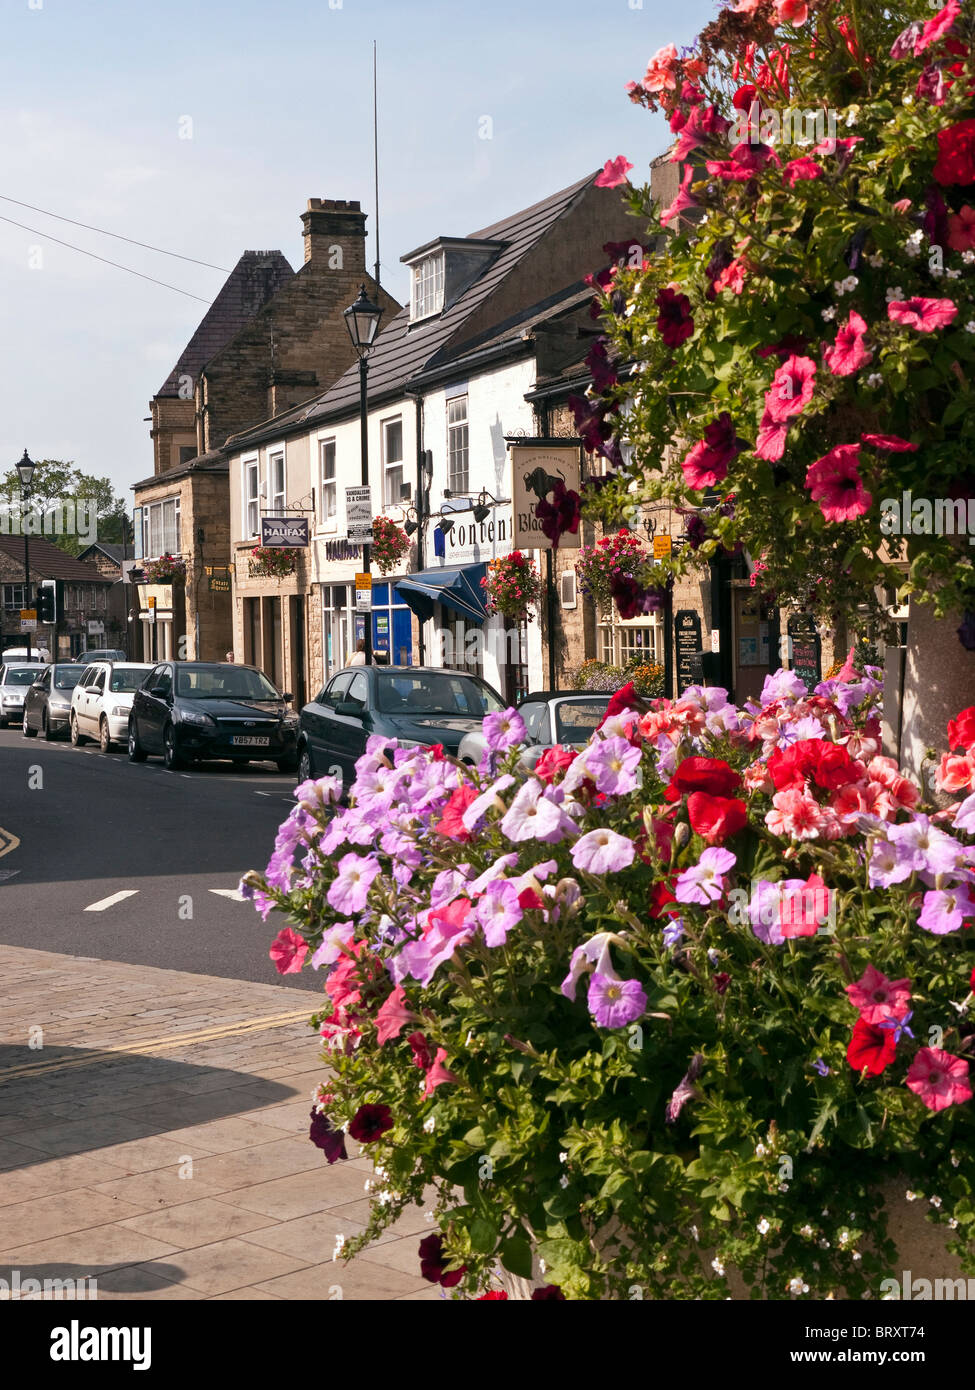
(128, 862)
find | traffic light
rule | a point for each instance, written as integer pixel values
(47, 601)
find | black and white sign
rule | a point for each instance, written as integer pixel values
(284, 531)
(687, 633)
(358, 515)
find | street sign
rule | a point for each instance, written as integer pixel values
(363, 593)
(287, 531)
(96, 628)
(358, 515)
(28, 619)
(662, 546)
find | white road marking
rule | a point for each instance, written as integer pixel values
(233, 893)
(8, 873)
(101, 905)
(257, 793)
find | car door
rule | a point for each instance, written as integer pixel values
(36, 699)
(78, 696)
(90, 701)
(156, 701)
(348, 732)
(326, 735)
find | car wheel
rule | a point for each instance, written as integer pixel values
(27, 730)
(137, 753)
(77, 737)
(289, 766)
(46, 728)
(3, 722)
(104, 738)
(305, 769)
(171, 759)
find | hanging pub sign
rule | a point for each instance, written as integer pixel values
(687, 635)
(284, 531)
(219, 577)
(805, 649)
(538, 467)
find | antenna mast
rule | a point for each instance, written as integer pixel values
(375, 151)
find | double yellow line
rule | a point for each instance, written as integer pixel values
(43, 1067)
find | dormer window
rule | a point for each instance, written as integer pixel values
(427, 296)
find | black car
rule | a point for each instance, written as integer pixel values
(47, 704)
(193, 710)
(413, 704)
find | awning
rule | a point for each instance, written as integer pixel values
(458, 588)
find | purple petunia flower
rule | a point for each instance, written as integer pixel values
(330, 950)
(685, 1090)
(350, 887)
(535, 816)
(615, 1003)
(504, 730)
(703, 882)
(889, 864)
(613, 765)
(780, 686)
(603, 851)
(673, 933)
(965, 815)
(944, 910)
(821, 1067)
(498, 911)
(592, 953)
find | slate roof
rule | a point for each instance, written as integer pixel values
(403, 351)
(254, 279)
(216, 461)
(50, 562)
(113, 550)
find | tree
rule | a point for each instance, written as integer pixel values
(804, 343)
(72, 508)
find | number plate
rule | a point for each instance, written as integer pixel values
(245, 741)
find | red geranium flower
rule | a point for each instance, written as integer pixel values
(451, 823)
(961, 731)
(956, 154)
(370, 1122)
(871, 1047)
(711, 775)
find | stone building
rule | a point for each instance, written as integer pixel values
(271, 338)
(83, 618)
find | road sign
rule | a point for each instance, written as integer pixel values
(363, 592)
(662, 546)
(28, 619)
(358, 515)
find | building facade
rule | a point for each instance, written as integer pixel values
(83, 616)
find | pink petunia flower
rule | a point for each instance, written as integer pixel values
(939, 1078)
(878, 998)
(770, 444)
(834, 482)
(849, 354)
(890, 443)
(614, 172)
(683, 199)
(437, 1074)
(925, 315)
(791, 12)
(801, 168)
(961, 233)
(731, 278)
(791, 390)
(288, 951)
(937, 27)
(393, 1016)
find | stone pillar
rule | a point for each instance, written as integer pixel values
(939, 680)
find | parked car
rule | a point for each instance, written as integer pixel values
(193, 710)
(102, 700)
(551, 716)
(38, 654)
(15, 678)
(414, 704)
(101, 654)
(47, 703)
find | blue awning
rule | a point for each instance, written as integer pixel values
(458, 588)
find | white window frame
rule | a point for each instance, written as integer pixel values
(616, 640)
(278, 496)
(250, 469)
(458, 480)
(390, 500)
(158, 529)
(9, 606)
(328, 495)
(426, 291)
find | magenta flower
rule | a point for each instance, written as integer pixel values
(770, 444)
(288, 951)
(615, 1003)
(848, 353)
(614, 172)
(504, 730)
(437, 1074)
(603, 851)
(613, 764)
(801, 168)
(704, 881)
(683, 199)
(939, 1078)
(674, 321)
(834, 482)
(498, 910)
(323, 1136)
(937, 27)
(350, 887)
(393, 1016)
(926, 315)
(878, 998)
(791, 390)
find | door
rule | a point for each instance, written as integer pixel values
(316, 721)
(751, 644)
(298, 685)
(79, 696)
(157, 700)
(349, 732)
(90, 702)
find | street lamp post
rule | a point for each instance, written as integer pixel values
(26, 468)
(362, 321)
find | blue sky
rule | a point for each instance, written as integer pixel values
(93, 96)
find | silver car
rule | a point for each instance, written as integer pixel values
(15, 679)
(552, 716)
(48, 700)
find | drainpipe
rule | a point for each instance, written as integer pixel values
(421, 500)
(549, 574)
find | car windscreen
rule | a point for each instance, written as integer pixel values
(224, 683)
(22, 675)
(128, 678)
(577, 720)
(67, 677)
(429, 692)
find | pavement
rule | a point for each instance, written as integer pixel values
(154, 1137)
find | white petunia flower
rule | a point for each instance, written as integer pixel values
(895, 292)
(764, 1227)
(913, 243)
(875, 379)
(970, 326)
(829, 314)
(430, 1124)
(935, 1201)
(717, 1266)
(911, 1196)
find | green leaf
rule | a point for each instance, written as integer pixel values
(516, 1256)
(484, 1236)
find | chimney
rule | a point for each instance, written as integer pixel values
(335, 235)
